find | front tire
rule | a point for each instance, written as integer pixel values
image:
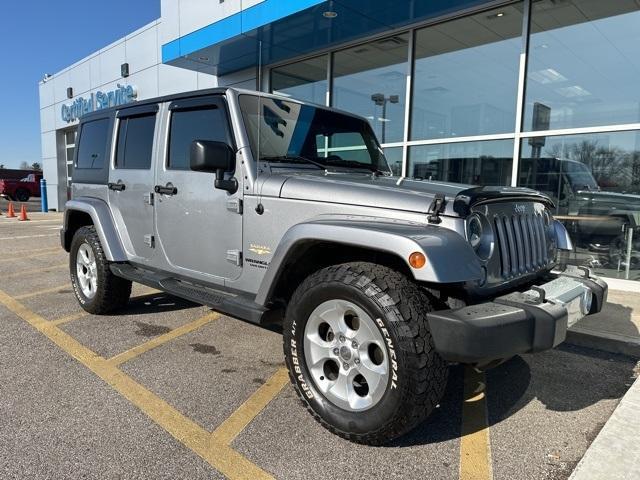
(359, 352)
(97, 289)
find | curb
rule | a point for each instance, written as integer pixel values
(615, 452)
(608, 342)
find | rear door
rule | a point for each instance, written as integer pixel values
(131, 180)
(199, 227)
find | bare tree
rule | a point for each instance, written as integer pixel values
(24, 165)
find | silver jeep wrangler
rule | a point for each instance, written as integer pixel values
(273, 210)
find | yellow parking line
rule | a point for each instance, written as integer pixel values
(475, 445)
(162, 339)
(42, 269)
(232, 426)
(24, 255)
(223, 458)
(41, 292)
(69, 318)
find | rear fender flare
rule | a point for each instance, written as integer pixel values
(100, 215)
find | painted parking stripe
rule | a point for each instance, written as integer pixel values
(232, 426)
(23, 237)
(220, 456)
(44, 269)
(162, 339)
(69, 318)
(59, 288)
(11, 220)
(25, 255)
(475, 445)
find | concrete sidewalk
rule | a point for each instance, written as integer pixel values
(615, 453)
(615, 329)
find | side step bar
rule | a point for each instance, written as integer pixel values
(238, 306)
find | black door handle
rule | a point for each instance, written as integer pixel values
(168, 189)
(116, 186)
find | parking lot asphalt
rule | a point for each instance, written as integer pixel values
(170, 389)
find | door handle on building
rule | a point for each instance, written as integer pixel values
(117, 186)
(168, 189)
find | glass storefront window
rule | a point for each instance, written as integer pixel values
(476, 163)
(394, 159)
(466, 75)
(305, 80)
(584, 63)
(370, 80)
(594, 180)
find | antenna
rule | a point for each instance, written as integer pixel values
(259, 206)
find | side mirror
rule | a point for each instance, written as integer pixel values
(214, 157)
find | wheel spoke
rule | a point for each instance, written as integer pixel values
(86, 270)
(318, 350)
(334, 316)
(342, 387)
(374, 374)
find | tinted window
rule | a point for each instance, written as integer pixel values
(135, 142)
(476, 163)
(370, 80)
(197, 124)
(583, 64)
(92, 150)
(466, 75)
(305, 80)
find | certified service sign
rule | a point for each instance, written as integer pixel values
(122, 95)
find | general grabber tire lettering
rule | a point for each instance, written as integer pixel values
(339, 374)
(97, 289)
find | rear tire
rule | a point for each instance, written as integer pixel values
(390, 333)
(22, 195)
(97, 289)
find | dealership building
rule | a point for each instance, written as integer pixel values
(538, 93)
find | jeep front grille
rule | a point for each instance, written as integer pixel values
(522, 243)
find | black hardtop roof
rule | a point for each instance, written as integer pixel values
(108, 112)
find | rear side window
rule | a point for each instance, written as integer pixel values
(206, 123)
(92, 150)
(135, 142)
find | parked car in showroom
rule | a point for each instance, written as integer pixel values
(272, 210)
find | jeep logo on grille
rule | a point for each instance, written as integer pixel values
(520, 208)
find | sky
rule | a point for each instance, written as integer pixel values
(45, 36)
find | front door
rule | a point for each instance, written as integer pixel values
(131, 181)
(198, 227)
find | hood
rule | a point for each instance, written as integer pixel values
(390, 192)
(614, 197)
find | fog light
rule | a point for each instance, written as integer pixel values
(417, 260)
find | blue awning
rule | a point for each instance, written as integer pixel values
(290, 28)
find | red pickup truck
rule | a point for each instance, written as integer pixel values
(21, 190)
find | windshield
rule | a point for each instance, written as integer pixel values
(580, 176)
(289, 132)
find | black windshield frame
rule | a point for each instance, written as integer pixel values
(286, 129)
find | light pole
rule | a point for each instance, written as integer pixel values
(380, 100)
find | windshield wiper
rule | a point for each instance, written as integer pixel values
(293, 158)
(355, 164)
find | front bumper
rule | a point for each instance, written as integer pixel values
(520, 322)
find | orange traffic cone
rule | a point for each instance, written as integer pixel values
(10, 212)
(23, 213)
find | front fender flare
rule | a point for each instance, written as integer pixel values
(450, 259)
(100, 215)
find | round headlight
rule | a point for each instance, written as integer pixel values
(474, 231)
